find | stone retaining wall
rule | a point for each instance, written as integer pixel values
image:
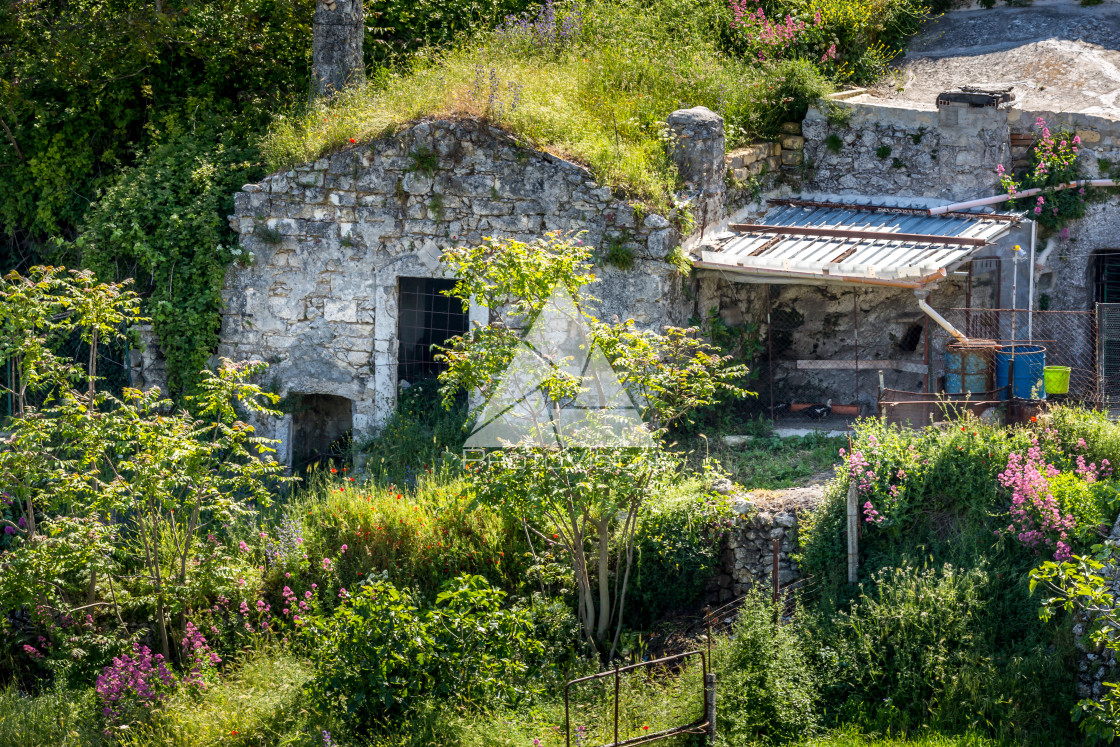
(877, 148)
(747, 555)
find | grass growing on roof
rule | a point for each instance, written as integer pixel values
(599, 98)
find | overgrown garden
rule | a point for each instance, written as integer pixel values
(126, 128)
(162, 583)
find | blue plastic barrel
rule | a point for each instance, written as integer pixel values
(967, 369)
(1030, 360)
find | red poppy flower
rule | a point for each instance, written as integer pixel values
(353, 140)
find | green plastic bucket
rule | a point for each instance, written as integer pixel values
(1056, 378)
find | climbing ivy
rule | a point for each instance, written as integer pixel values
(164, 223)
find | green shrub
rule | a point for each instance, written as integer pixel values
(164, 222)
(921, 649)
(419, 436)
(767, 691)
(556, 626)
(98, 82)
(908, 638)
(396, 30)
(676, 552)
(1093, 505)
(1100, 434)
(995, 666)
(378, 655)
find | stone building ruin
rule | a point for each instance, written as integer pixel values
(343, 299)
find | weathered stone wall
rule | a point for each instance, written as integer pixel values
(747, 554)
(878, 148)
(330, 239)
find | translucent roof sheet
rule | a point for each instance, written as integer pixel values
(857, 254)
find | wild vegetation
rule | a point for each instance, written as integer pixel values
(162, 585)
(125, 129)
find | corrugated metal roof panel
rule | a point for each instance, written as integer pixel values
(857, 259)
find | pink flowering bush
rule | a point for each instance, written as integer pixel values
(882, 468)
(134, 685)
(847, 40)
(1036, 518)
(1053, 162)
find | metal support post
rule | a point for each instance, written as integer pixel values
(853, 532)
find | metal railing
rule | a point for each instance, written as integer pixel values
(705, 724)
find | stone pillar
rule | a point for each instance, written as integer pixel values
(338, 30)
(698, 152)
(147, 366)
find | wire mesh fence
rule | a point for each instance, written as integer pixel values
(1108, 353)
(1014, 353)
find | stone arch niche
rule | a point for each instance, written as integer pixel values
(321, 428)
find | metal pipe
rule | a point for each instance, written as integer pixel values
(1030, 286)
(1019, 195)
(855, 326)
(941, 321)
(770, 351)
(616, 703)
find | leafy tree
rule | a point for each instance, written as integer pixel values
(571, 493)
(1086, 586)
(110, 500)
(83, 83)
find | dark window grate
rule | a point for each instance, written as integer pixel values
(426, 317)
(1108, 277)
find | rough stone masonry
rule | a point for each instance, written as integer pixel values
(761, 519)
(330, 239)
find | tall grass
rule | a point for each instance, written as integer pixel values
(258, 704)
(418, 538)
(56, 718)
(599, 101)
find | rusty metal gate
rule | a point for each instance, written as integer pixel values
(705, 724)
